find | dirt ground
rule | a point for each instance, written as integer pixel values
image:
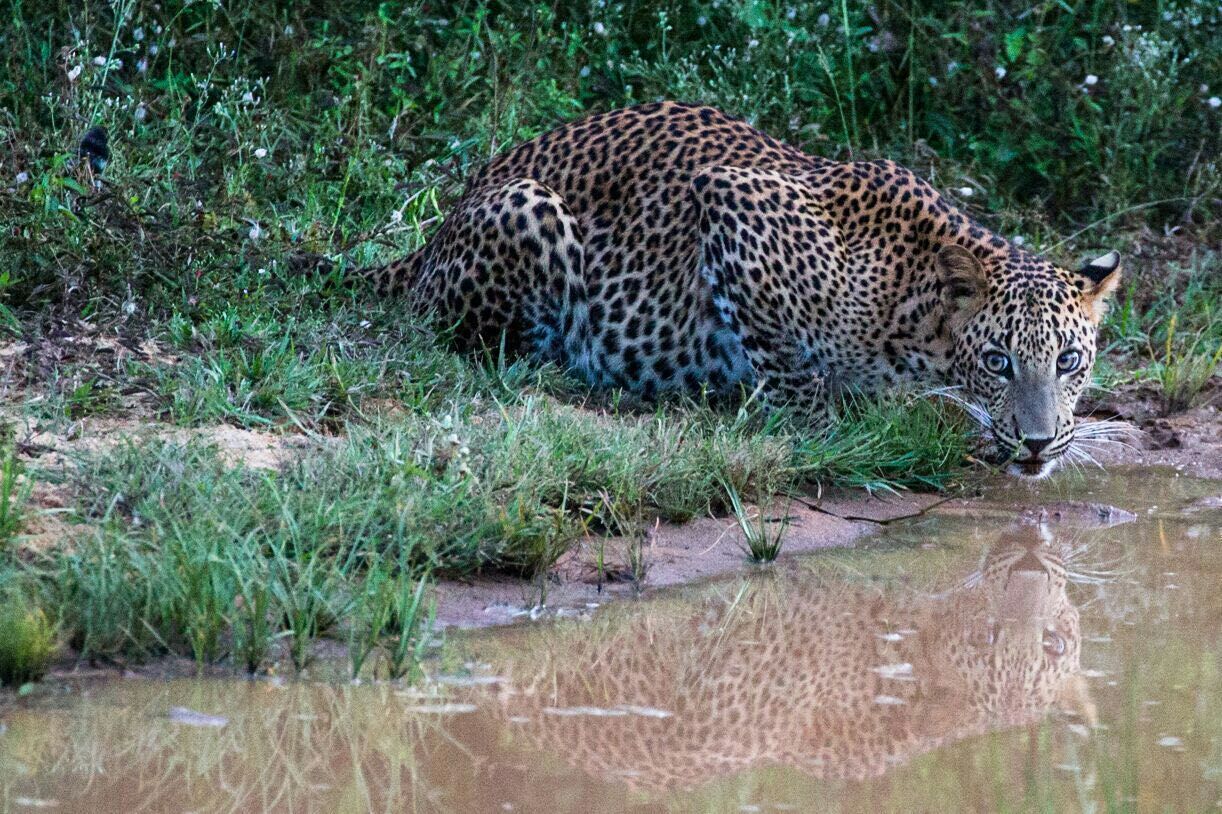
(1189, 442)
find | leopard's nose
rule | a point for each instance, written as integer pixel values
(1036, 445)
(1029, 562)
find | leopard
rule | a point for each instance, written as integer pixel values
(671, 247)
(841, 679)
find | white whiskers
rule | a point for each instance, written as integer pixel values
(1095, 437)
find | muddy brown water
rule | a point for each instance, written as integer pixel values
(963, 661)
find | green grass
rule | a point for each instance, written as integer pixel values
(249, 138)
(1169, 329)
(27, 638)
(194, 556)
(1184, 372)
(14, 491)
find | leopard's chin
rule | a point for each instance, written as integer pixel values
(1032, 470)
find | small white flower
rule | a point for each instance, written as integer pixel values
(965, 192)
(141, 112)
(999, 72)
(153, 49)
(260, 153)
(1019, 240)
(255, 232)
(74, 73)
(951, 67)
(702, 21)
(142, 66)
(584, 72)
(600, 29)
(791, 13)
(366, 323)
(396, 216)
(824, 20)
(1127, 28)
(475, 55)
(1214, 102)
(1108, 40)
(1203, 88)
(753, 43)
(248, 98)
(1091, 80)
(99, 60)
(138, 34)
(933, 80)
(21, 178)
(289, 30)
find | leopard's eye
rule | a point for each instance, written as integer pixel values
(1068, 362)
(997, 363)
(1054, 643)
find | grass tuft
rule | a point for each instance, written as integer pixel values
(763, 544)
(1186, 369)
(27, 639)
(14, 491)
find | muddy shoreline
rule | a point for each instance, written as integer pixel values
(1189, 443)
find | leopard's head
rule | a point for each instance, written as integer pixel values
(1012, 644)
(1023, 334)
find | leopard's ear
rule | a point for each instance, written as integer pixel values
(1097, 279)
(964, 283)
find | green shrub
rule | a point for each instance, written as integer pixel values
(247, 140)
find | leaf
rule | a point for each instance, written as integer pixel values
(1014, 44)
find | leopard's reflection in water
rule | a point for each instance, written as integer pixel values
(835, 678)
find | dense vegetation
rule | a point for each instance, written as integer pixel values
(181, 282)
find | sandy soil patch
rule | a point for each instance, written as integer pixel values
(1189, 441)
